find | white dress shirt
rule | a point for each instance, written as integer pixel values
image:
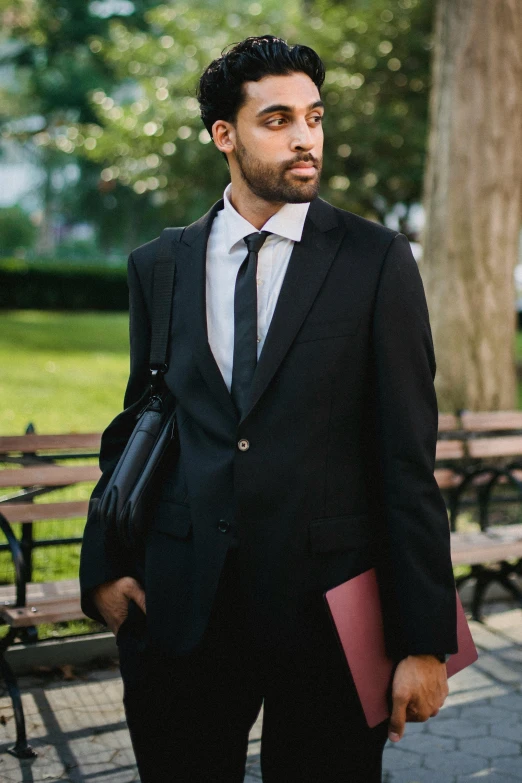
(226, 251)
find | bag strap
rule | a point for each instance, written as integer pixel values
(162, 296)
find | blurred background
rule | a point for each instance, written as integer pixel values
(101, 146)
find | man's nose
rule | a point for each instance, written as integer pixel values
(303, 137)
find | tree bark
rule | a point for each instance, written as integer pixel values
(473, 201)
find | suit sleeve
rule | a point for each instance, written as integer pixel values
(101, 558)
(418, 587)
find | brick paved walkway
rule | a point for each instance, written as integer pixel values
(78, 726)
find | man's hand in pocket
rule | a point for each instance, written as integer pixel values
(112, 600)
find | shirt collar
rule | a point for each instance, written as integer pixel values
(288, 222)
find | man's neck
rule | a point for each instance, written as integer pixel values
(255, 210)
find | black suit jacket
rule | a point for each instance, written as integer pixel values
(341, 427)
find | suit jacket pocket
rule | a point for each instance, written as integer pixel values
(320, 330)
(172, 518)
(331, 534)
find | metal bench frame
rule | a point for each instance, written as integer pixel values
(15, 451)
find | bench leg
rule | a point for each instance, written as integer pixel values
(21, 749)
(503, 578)
(483, 579)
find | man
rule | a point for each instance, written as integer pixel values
(302, 363)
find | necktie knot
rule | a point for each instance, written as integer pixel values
(255, 241)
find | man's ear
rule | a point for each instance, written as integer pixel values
(223, 134)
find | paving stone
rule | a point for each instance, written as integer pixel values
(420, 775)
(395, 758)
(473, 695)
(511, 730)
(510, 764)
(486, 638)
(416, 728)
(471, 678)
(488, 776)
(458, 728)
(426, 743)
(486, 713)
(489, 747)
(511, 701)
(454, 762)
(493, 665)
(509, 623)
(113, 739)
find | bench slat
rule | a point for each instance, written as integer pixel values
(450, 449)
(496, 544)
(448, 422)
(54, 602)
(49, 475)
(43, 591)
(447, 478)
(33, 512)
(29, 443)
(491, 420)
(66, 609)
(507, 446)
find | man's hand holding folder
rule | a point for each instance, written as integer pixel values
(413, 689)
(419, 689)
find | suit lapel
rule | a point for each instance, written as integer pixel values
(307, 268)
(192, 263)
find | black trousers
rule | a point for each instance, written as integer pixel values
(189, 717)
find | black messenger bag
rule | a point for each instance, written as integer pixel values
(124, 507)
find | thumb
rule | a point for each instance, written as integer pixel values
(397, 719)
(137, 593)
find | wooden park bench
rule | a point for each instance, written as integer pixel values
(480, 452)
(32, 468)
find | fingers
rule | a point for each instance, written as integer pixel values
(416, 715)
(398, 718)
(137, 593)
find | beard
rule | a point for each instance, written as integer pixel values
(272, 183)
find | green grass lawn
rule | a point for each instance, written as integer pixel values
(64, 372)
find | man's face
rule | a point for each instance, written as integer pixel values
(280, 125)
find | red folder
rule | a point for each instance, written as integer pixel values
(356, 612)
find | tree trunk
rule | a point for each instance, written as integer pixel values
(473, 201)
(46, 244)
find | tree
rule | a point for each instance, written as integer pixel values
(473, 200)
(149, 136)
(45, 42)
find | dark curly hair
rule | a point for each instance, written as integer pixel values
(220, 92)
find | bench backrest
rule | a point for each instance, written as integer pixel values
(30, 462)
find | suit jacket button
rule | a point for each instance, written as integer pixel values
(243, 444)
(223, 526)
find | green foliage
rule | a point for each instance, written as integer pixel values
(150, 137)
(16, 230)
(139, 120)
(62, 286)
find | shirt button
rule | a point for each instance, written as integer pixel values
(223, 526)
(243, 444)
(259, 281)
(258, 339)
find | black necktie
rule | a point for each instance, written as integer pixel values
(245, 321)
